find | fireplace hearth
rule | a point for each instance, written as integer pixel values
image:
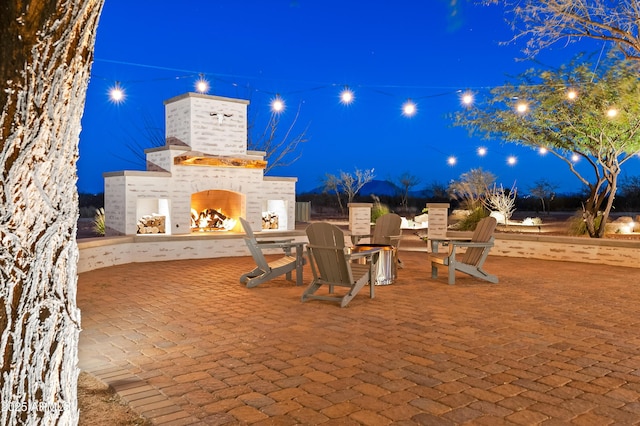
(203, 179)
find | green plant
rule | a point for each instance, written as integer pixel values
(578, 226)
(469, 223)
(99, 222)
(378, 210)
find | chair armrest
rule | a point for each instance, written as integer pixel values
(280, 244)
(265, 242)
(363, 253)
(471, 244)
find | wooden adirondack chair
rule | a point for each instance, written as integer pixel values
(471, 262)
(387, 230)
(265, 270)
(332, 266)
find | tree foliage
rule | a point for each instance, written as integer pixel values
(544, 23)
(600, 125)
(471, 188)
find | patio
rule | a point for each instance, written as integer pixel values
(185, 343)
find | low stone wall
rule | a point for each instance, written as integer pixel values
(572, 249)
(103, 252)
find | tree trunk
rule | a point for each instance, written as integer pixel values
(47, 50)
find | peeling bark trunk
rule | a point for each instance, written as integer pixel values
(47, 50)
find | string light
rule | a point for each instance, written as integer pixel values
(522, 107)
(277, 104)
(409, 109)
(116, 93)
(202, 85)
(467, 98)
(346, 96)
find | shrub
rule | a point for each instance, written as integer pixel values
(469, 223)
(577, 225)
(99, 222)
(378, 210)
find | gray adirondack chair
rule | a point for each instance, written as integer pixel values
(333, 270)
(472, 261)
(266, 270)
(388, 230)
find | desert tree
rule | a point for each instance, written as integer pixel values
(47, 50)
(331, 183)
(347, 183)
(471, 188)
(544, 23)
(576, 114)
(501, 200)
(405, 182)
(545, 191)
(280, 141)
(352, 183)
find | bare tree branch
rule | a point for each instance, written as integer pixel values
(544, 23)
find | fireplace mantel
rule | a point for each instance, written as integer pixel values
(218, 161)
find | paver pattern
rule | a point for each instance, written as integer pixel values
(183, 342)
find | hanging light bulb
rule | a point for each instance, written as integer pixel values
(116, 93)
(409, 109)
(346, 96)
(467, 98)
(277, 104)
(522, 107)
(202, 85)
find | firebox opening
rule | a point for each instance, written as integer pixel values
(216, 210)
(153, 216)
(274, 215)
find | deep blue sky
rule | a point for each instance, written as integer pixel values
(306, 51)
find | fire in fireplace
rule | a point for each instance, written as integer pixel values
(215, 210)
(211, 220)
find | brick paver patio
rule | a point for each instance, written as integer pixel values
(185, 343)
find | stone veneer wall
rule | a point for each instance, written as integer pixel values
(572, 249)
(103, 252)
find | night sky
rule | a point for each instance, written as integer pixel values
(307, 52)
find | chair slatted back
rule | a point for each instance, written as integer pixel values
(387, 227)
(482, 234)
(326, 248)
(252, 244)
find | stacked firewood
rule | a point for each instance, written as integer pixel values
(269, 220)
(151, 224)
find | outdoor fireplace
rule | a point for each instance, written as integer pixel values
(202, 180)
